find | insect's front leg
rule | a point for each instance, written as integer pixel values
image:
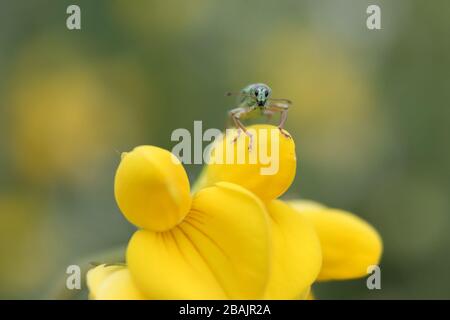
(236, 114)
(283, 109)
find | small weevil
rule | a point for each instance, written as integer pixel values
(255, 100)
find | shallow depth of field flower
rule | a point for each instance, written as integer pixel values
(231, 238)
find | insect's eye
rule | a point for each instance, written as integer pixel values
(266, 94)
(256, 93)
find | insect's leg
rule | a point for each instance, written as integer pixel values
(285, 101)
(283, 119)
(283, 109)
(235, 114)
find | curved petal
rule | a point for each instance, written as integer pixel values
(296, 255)
(267, 169)
(112, 283)
(310, 296)
(152, 188)
(349, 244)
(305, 295)
(219, 251)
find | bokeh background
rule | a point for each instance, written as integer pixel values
(370, 119)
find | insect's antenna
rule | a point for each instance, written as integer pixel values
(281, 100)
(228, 94)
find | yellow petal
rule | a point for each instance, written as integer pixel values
(96, 276)
(296, 255)
(219, 251)
(310, 296)
(305, 295)
(306, 205)
(349, 244)
(112, 283)
(267, 169)
(152, 188)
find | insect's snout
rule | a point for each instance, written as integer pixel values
(261, 97)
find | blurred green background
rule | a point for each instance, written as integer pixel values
(370, 120)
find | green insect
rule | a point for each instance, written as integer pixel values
(254, 100)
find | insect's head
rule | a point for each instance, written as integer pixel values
(261, 92)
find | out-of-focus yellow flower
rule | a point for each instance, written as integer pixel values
(30, 244)
(52, 119)
(167, 18)
(64, 113)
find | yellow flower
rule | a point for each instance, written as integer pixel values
(152, 188)
(296, 255)
(348, 244)
(232, 238)
(112, 283)
(212, 245)
(270, 150)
